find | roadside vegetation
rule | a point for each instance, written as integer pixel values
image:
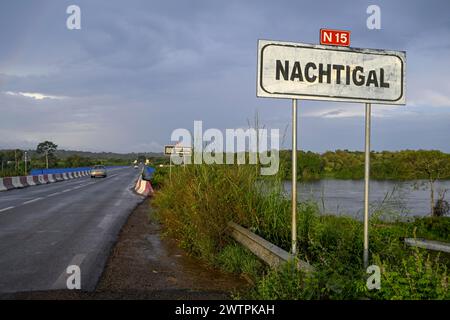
(195, 203)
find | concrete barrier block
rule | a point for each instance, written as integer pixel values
(16, 182)
(42, 179)
(30, 181)
(2, 185)
(23, 181)
(36, 180)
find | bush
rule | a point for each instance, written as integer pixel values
(417, 276)
(197, 202)
(433, 228)
(236, 259)
(284, 284)
(442, 208)
(159, 176)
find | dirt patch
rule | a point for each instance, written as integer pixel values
(143, 265)
(155, 267)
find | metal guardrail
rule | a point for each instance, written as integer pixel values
(428, 244)
(268, 252)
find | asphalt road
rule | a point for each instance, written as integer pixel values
(46, 228)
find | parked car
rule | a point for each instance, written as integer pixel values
(98, 171)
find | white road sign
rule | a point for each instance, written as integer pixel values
(184, 151)
(315, 72)
(176, 149)
(168, 150)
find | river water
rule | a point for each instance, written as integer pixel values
(394, 198)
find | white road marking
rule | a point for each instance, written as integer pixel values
(106, 221)
(33, 200)
(6, 209)
(53, 194)
(67, 190)
(60, 283)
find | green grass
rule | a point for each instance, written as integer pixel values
(236, 259)
(196, 203)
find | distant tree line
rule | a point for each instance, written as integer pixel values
(384, 165)
(11, 162)
(430, 165)
(47, 155)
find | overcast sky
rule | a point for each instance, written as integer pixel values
(137, 70)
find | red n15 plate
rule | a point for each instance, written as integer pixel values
(335, 37)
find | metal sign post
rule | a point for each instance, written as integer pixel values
(294, 176)
(178, 150)
(169, 151)
(170, 167)
(366, 186)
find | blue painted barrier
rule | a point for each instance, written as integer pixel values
(36, 172)
(148, 172)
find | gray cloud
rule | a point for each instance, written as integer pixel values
(139, 69)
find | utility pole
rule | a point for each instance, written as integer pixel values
(25, 160)
(46, 157)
